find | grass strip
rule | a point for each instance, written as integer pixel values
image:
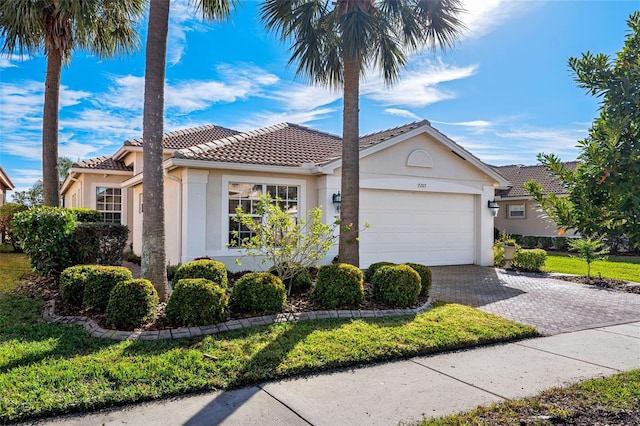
(620, 268)
(609, 400)
(49, 369)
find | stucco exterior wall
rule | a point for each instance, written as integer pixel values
(535, 222)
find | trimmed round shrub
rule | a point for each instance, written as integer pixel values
(99, 280)
(338, 285)
(396, 285)
(197, 301)
(132, 304)
(530, 260)
(260, 292)
(368, 274)
(300, 282)
(208, 269)
(72, 282)
(425, 277)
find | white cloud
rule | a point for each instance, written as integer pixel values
(402, 113)
(263, 119)
(473, 123)
(417, 86)
(8, 60)
(482, 16)
(301, 97)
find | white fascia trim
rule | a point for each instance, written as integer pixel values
(172, 163)
(125, 149)
(135, 180)
(5, 179)
(522, 198)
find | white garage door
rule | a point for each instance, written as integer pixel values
(428, 228)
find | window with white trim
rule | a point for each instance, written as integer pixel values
(516, 211)
(247, 195)
(109, 203)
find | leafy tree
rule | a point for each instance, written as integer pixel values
(104, 27)
(64, 165)
(7, 211)
(285, 244)
(589, 249)
(603, 190)
(153, 235)
(336, 41)
(31, 197)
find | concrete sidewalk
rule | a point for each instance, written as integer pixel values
(393, 392)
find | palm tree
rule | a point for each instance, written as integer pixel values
(153, 235)
(336, 41)
(103, 27)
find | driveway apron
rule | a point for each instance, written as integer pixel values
(552, 306)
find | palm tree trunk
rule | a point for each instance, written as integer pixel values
(50, 182)
(349, 246)
(153, 238)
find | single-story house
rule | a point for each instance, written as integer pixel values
(425, 197)
(5, 186)
(519, 213)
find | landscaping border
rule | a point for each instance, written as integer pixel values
(94, 330)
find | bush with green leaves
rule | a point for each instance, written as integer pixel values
(530, 241)
(171, 271)
(499, 248)
(83, 214)
(589, 249)
(197, 301)
(545, 242)
(300, 282)
(396, 285)
(7, 211)
(46, 235)
(287, 244)
(132, 304)
(211, 270)
(338, 285)
(258, 292)
(530, 259)
(561, 243)
(371, 270)
(98, 242)
(425, 277)
(72, 282)
(99, 281)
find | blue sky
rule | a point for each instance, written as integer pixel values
(504, 92)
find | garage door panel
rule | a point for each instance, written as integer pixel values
(429, 228)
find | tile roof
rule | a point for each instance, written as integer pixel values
(102, 163)
(518, 174)
(284, 144)
(185, 138)
(374, 138)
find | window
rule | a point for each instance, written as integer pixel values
(515, 211)
(109, 203)
(246, 195)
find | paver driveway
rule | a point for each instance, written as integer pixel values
(552, 306)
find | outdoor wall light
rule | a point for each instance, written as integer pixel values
(337, 199)
(493, 207)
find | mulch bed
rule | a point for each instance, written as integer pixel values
(295, 303)
(609, 283)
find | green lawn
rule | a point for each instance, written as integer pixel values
(47, 369)
(618, 267)
(610, 400)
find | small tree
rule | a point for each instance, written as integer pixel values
(589, 249)
(277, 238)
(7, 211)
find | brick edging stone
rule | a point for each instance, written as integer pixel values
(94, 330)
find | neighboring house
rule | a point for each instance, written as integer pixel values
(5, 186)
(424, 196)
(519, 213)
